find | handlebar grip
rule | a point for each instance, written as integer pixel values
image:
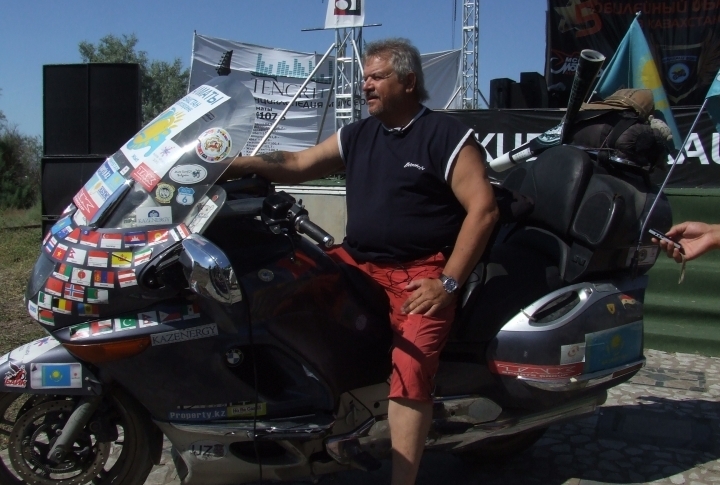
(303, 225)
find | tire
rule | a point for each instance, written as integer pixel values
(502, 447)
(121, 460)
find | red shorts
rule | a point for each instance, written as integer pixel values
(417, 339)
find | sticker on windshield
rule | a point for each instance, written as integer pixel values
(164, 193)
(153, 216)
(188, 174)
(203, 216)
(185, 196)
(153, 145)
(213, 145)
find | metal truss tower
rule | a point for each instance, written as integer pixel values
(348, 75)
(470, 43)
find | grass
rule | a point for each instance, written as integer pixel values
(19, 249)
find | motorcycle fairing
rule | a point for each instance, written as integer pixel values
(46, 367)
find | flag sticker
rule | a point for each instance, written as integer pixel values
(44, 300)
(101, 327)
(142, 257)
(121, 259)
(32, 309)
(63, 272)
(63, 306)
(80, 331)
(74, 236)
(125, 323)
(56, 376)
(147, 319)
(81, 276)
(111, 241)
(183, 230)
(95, 295)
(126, 277)
(104, 279)
(98, 259)
(74, 292)
(88, 310)
(77, 256)
(191, 311)
(90, 238)
(46, 317)
(158, 237)
(135, 238)
(54, 287)
(59, 252)
(170, 316)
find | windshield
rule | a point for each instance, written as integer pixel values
(162, 175)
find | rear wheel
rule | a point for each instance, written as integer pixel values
(502, 447)
(112, 448)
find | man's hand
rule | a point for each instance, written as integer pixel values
(696, 238)
(428, 297)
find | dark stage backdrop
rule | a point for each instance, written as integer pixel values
(684, 36)
(502, 130)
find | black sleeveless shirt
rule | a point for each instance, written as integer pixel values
(400, 205)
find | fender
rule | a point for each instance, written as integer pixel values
(46, 367)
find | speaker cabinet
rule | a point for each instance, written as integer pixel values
(534, 89)
(90, 109)
(500, 93)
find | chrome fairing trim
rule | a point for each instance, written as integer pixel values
(585, 381)
(304, 427)
(588, 293)
(209, 271)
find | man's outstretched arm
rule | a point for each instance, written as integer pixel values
(290, 167)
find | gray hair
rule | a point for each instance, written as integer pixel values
(404, 57)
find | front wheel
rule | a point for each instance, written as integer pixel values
(112, 448)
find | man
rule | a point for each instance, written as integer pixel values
(416, 186)
(696, 238)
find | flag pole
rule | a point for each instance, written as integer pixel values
(667, 178)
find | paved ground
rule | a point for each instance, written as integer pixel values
(661, 427)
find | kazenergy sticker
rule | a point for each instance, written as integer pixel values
(193, 333)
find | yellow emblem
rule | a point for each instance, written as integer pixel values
(154, 134)
(611, 308)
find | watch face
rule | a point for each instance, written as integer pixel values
(450, 284)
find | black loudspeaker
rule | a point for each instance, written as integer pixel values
(534, 89)
(90, 109)
(62, 178)
(65, 109)
(500, 93)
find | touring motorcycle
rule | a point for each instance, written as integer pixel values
(209, 313)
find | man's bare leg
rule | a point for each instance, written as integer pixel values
(409, 426)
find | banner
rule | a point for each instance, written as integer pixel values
(683, 35)
(345, 13)
(274, 76)
(502, 130)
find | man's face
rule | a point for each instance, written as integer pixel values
(383, 90)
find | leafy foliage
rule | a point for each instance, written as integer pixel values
(19, 167)
(161, 83)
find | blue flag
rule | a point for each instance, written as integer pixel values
(632, 66)
(713, 101)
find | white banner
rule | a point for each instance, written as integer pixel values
(274, 76)
(345, 13)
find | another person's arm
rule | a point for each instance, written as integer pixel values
(290, 167)
(696, 238)
(472, 188)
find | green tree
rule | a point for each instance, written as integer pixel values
(19, 167)
(161, 83)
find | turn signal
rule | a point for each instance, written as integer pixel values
(108, 351)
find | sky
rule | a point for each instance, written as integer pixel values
(38, 32)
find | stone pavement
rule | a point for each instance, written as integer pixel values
(660, 427)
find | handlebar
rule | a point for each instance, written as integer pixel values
(303, 225)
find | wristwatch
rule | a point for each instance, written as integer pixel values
(449, 283)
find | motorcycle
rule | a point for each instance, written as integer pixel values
(209, 313)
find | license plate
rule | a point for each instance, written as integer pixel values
(646, 255)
